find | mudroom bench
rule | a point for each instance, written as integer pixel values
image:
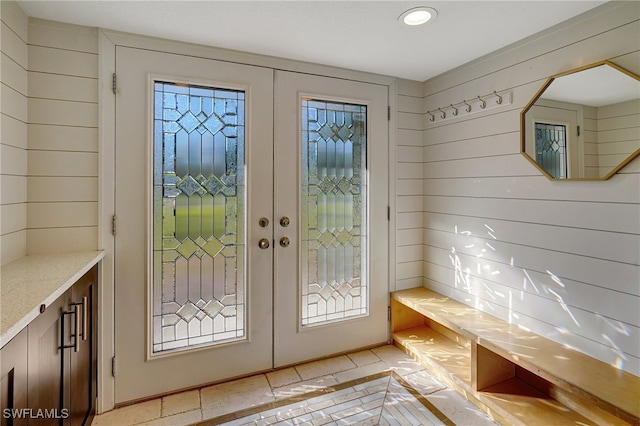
(516, 376)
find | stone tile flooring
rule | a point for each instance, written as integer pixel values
(381, 399)
(281, 388)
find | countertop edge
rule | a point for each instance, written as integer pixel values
(24, 321)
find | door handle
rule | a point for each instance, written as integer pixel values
(284, 242)
(284, 221)
(263, 243)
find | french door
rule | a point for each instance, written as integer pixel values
(245, 200)
(331, 173)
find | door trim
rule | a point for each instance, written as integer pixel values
(107, 42)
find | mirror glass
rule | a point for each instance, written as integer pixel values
(584, 123)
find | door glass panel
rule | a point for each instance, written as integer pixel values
(334, 212)
(198, 216)
(551, 149)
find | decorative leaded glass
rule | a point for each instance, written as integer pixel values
(334, 211)
(551, 149)
(198, 216)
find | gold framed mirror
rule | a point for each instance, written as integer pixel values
(583, 124)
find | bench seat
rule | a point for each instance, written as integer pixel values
(516, 376)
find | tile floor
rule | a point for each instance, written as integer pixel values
(382, 399)
(218, 400)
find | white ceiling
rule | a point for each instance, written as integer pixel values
(359, 35)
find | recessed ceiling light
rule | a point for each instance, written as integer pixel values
(418, 16)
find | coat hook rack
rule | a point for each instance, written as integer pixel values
(472, 106)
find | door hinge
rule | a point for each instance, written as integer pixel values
(388, 113)
(578, 130)
(113, 224)
(113, 366)
(388, 313)
(114, 86)
(389, 213)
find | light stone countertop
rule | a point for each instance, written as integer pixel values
(31, 281)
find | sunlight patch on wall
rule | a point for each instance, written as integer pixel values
(476, 261)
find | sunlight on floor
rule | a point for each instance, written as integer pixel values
(278, 387)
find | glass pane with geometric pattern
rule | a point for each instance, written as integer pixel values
(334, 212)
(551, 149)
(198, 216)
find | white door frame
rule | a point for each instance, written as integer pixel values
(106, 174)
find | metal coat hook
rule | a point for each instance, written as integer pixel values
(455, 110)
(499, 101)
(468, 107)
(432, 118)
(483, 104)
(444, 114)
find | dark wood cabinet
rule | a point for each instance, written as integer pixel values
(79, 360)
(44, 375)
(13, 380)
(49, 369)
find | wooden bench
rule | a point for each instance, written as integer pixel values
(516, 376)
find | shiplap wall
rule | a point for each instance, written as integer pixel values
(409, 185)
(618, 133)
(590, 137)
(13, 139)
(62, 211)
(559, 258)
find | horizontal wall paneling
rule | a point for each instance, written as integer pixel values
(13, 134)
(560, 258)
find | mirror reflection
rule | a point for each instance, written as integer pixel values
(584, 123)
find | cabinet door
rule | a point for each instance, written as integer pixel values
(45, 363)
(82, 379)
(13, 380)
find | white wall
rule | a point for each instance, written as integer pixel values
(62, 213)
(618, 133)
(409, 185)
(49, 144)
(13, 137)
(559, 258)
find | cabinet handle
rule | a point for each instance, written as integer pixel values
(76, 341)
(85, 314)
(76, 335)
